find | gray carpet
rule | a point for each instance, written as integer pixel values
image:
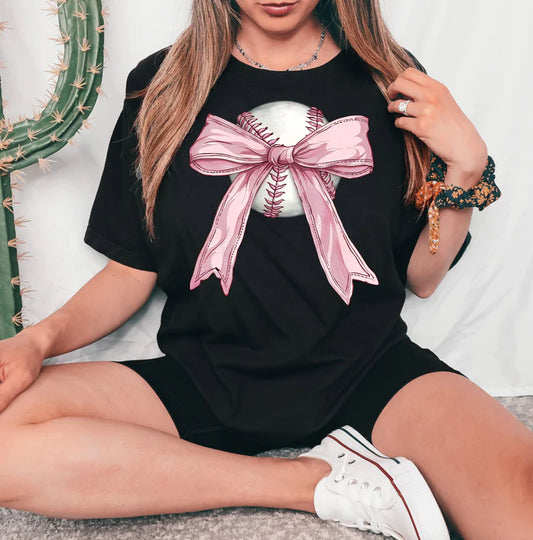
(243, 523)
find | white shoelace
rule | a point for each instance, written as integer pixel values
(363, 493)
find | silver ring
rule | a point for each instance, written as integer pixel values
(402, 107)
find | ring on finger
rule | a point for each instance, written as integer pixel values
(402, 107)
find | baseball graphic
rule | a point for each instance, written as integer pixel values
(283, 159)
(283, 122)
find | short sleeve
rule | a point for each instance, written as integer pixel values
(116, 226)
(418, 65)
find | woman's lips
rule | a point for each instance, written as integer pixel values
(278, 9)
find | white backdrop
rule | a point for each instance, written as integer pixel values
(479, 320)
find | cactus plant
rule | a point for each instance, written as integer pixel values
(29, 141)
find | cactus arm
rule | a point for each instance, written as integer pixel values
(76, 91)
(10, 299)
(27, 142)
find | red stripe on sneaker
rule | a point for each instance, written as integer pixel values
(388, 476)
(352, 436)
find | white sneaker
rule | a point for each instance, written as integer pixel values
(373, 492)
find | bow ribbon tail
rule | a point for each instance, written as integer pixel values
(220, 248)
(338, 256)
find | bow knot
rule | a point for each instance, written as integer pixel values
(279, 155)
(340, 147)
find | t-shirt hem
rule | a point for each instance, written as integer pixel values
(116, 252)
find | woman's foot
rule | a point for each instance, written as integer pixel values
(372, 492)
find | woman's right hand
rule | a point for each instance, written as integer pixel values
(21, 360)
(103, 304)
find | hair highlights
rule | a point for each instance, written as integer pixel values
(194, 62)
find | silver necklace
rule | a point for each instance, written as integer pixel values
(299, 66)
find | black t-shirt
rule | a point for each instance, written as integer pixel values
(278, 353)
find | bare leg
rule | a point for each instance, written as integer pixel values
(476, 456)
(79, 467)
(73, 446)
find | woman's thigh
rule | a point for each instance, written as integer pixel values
(476, 456)
(101, 389)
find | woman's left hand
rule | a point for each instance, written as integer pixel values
(434, 117)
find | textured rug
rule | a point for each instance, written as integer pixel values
(242, 523)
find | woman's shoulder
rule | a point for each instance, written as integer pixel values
(141, 75)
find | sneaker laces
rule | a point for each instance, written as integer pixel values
(369, 498)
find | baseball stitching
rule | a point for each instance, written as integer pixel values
(273, 204)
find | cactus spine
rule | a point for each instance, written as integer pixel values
(29, 141)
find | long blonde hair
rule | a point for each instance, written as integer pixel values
(179, 89)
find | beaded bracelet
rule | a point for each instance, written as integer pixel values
(439, 195)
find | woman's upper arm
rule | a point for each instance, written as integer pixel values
(145, 278)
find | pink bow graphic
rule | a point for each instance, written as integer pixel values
(340, 147)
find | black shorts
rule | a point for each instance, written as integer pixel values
(196, 423)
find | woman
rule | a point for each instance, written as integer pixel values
(280, 347)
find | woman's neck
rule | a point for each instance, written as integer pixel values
(283, 50)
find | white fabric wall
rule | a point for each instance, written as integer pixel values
(480, 318)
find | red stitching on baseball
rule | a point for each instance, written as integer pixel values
(250, 123)
(315, 119)
(273, 204)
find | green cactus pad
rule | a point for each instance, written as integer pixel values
(32, 140)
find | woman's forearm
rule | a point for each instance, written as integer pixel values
(437, 120)
(427, 270)
(103, 304)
